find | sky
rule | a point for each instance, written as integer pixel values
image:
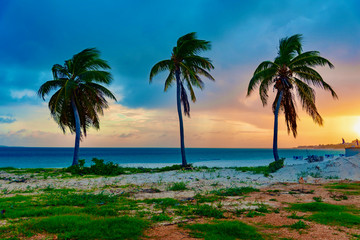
(134, 35)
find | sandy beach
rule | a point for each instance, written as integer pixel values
(276, 192)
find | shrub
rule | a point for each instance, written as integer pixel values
(178, 186)
(208, 211)
(235, 191)
(229, 230)
(276, 165)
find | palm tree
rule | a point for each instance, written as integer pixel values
(185, 67)
(291, 70)
(80, 97)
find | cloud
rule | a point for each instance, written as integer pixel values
(19, 94)
(7, 119)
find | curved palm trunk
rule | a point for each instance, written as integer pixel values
(77, 136)
(178, 103)
(275, 139)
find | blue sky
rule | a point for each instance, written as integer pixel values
(133, 35)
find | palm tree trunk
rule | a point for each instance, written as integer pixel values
(77, 131)
(275, 139)
(178, 102)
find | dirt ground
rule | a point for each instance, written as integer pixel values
(277, 197)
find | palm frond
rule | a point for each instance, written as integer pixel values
(184, 100)
(311, 59)
(159, 67)
(169, 80)
(48, 86)
(307, 98)
(265, 74)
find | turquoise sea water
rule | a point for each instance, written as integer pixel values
(27, 157)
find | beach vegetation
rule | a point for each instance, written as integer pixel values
(162, 203)
(206, 198)
(102, 168)
(336, 218)
(234, 191)
(291, 73)
(178, 186)
(161, 217)
(265, 170)
(80, 96)
(227, 230)
(86, 227)
(317, 207)
(276, 165)
(295, 216)
(263, 208)
(253, 213)
(299, 225)
(318, 199)
(185, 67)
(344, 186)
(208, 211)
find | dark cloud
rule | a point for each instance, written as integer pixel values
(134, 35)
(7, 120)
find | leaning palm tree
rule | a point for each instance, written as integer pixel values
(291, 70)
(185, 67)
(80, 97)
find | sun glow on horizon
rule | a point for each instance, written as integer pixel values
(356, 127)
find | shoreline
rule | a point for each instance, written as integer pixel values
(167, 203)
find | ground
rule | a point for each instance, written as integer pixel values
(166, 205)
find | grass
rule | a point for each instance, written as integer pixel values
(255, 170)
(161, 217)
(348, 186)
(336, 218)
(299, 225)
(208, 198)
(225, 230)
(178, 186)
(318, 199)
(294, 216)
(235, 191)
(208, 211)
(317, 207)
(252, 214)
(85, 227)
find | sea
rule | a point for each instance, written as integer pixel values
(38, 157)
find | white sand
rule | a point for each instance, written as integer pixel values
(338, 168)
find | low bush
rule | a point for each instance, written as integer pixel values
(235, 191)
(276, 165)
(229, 230)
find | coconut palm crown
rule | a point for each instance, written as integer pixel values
(79, 97)
(292, 72)
(185, 68)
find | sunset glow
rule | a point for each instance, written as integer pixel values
(242, 35)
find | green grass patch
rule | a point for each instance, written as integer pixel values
(294, 216)
(177, 186)
(84, 199)
(299, 225)
(255, 170)
(317, 207)
(161, 217)
(208, 198)
(208, 211)
(336, 218)
(349, 186)
(252, 214)
(235, 191)
(225, 230)
(85, 227)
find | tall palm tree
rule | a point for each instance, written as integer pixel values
(291, 71)
(80, 97)
(185, 67)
